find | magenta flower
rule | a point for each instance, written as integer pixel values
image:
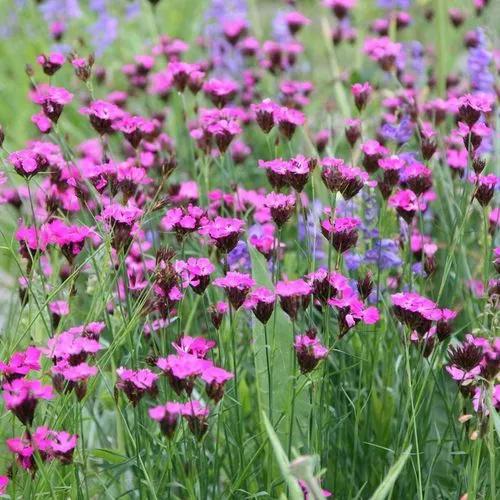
(184, 220)
(136, 383)
(195, 346)
(406, 204)
(224, 232)
(415, 311)
(167, 415)
(288, 120)
(217, 312)
(4, 482)
(24, 451)
(361, 93)
(296, 21)
(309, 351)
(197, 417)
(337, 176)
(485, 187)
(121, 220)
(215, 378)
(182, 371)
(21, 363)
(265, 114)
(466, 361)
(340, 7)
(50, 63)
(21, 397)
(234, 29)
(220, 92)
(223, 132)
(42, 122)
(281, 206)
(471, 106)
(373, 152)
(342, 233)
(417, 177)
(352, 130)
(52, 100)
(195, 273)
(383, 50)
(473, 135)
(71, 239)
(293, 295)
(236, 285)
(326, 285)
(28, 163)
(261, 301)
(102, 115)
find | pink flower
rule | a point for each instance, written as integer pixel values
(337, 176)
(195, 272)
(406, 204)
(265, 114)
(224, 232)
(50, 63)
(195, 346)
(136, 383)
(340, 7)
(167, 415)
(309, 351)
(415, 311)
(197, 416)
(261, 302)
(51, 99)
(361, 93)
(281, 206)
(24, 450)
(27, 162)
(21, 397)
(182, 370)
(342, 233)
(295, 21)
(215, 378)
(470, 107)
(42, 122)
(373, 153)
(288, 120)
(217, 312)
(234, 29)
(383, 50)
(418, 177)
(4, 482)
(236, 285)
(21, 363)
(466, 361)
(485, 187)
(102, 115)
(220, 92)
(293, 295)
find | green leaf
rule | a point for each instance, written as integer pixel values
(386, 485)
(109, 456)
(293, 486)
(496, 422)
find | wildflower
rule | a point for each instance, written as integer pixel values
(296, 21)
(428, 142)
(418, 177)
(479, 400)
(444, 323)
(288, 120)
(470, 107)
(224, 131)
(217, 312)
(265, 114)
(473, 135)
(196, 346)
(309, 351)
(415, 311)
(167, 415)
(261, 302)
(102, 115)
(361, 93)
(298, 170)
(52, 100)
(485, 187)
(4, 482)
(281, 206)
(136, 383)
(465, 361)
(224, 232)
(236, 285)
(215, 378)
(352, 130)
(195, 272)
(121, 220)
(71, 239)
(337, 176)
(342, 233)
(50, 63)
(21, 363)
(383, 50)
(21, 397)
(23, 448)
(293, 295)
(82, 67)
(197, 416)
(365, 285)
(373, 153)
(234, 30)
(340, 7)
(58, 308)
(184, 220)
(391, 165)
(28, 163)
(220, 92)
(406, 204)
(182, 371)
(321, 140)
